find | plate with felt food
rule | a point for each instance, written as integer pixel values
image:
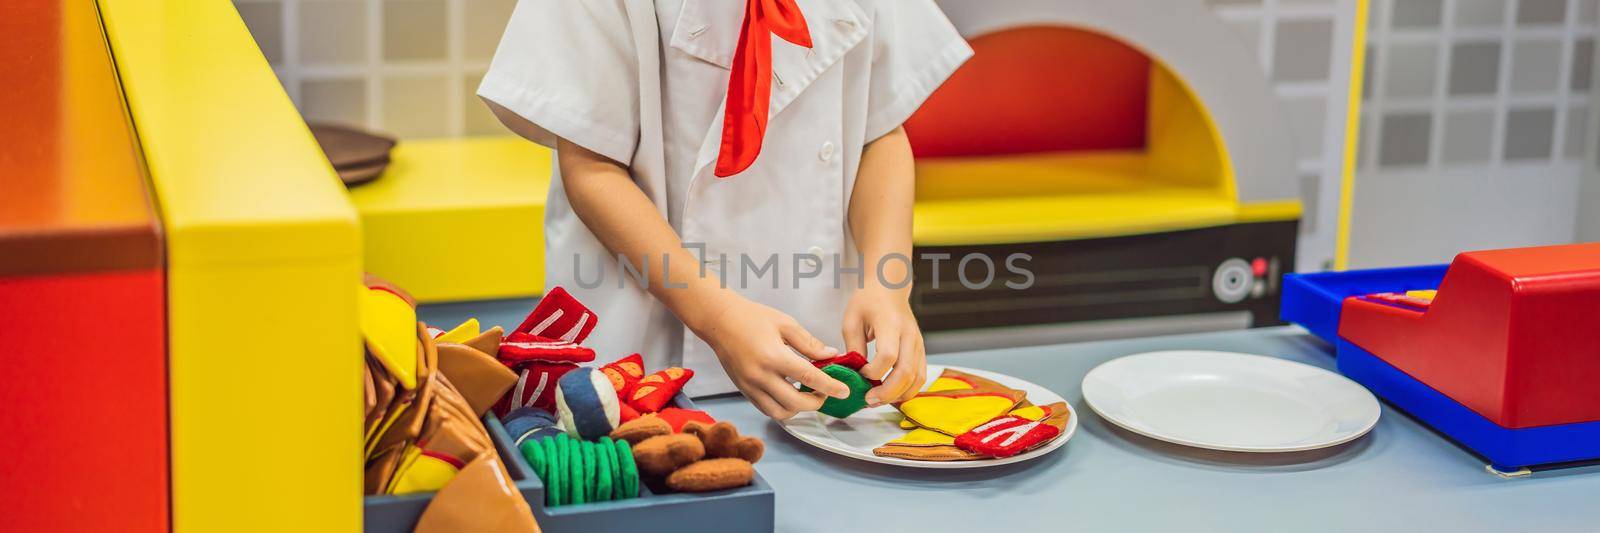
(965, 418)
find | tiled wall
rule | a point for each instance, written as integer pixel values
(407, 67)
(1459, 95)
(1477, 127)
(1477, 82)
(1303, 46)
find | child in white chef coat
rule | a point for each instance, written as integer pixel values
(733, 186)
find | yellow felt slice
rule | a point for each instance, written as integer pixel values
(956, 415)
(924, 437)
(421, 473)
(944, 384)
(389, 326)
(462, 333)
(906, 423)
(1423, 295)
(1030, 412)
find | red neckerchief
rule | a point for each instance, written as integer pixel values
(744, 119)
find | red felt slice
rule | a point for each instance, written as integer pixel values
(852, 360)
(559, 316)
(626, 412)
(677, 417)
(656, 390)
(624, 372)
(1006, 436)
(535, 386)
(518, 348)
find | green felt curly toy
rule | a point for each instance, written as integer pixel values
(842, 408)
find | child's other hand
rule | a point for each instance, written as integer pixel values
(754, 343)
(884, 315)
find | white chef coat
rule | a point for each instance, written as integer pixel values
(642, 82)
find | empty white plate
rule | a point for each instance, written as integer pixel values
(1230, 401)
(857, 435)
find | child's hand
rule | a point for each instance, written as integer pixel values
(884, 315)
(754, 343)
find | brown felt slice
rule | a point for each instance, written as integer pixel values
(722, 439)
(660, 455)
(925, 453)
(712, 474)
(637, 430)
(480, 378)
(487, 342)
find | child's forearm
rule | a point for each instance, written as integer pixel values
(606, 199)
(880, 211)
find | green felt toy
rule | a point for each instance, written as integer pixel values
(557, 459)
(842, 408)
(534, 453)
(606, 464)
(578, 491)
(629, 470)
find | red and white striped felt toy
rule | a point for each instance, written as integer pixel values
(559, 316)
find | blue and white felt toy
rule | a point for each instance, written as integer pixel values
(530, 423)
(587, 404)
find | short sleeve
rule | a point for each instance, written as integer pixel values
(568, 69)
(915, 49)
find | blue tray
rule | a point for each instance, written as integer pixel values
(1314, 300)
(751, 508)
(1506, 449)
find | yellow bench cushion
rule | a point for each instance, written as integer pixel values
(1067, 196)
(458, 219)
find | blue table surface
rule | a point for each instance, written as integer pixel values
(1401, 477)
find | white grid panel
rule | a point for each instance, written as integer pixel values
(397, 66)
(1576, 24)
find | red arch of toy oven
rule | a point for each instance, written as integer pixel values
(1038, 89)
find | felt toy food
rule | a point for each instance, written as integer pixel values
(723, 440)
(712, 474)
(677, 417)
(1006, 436)
(852, 360)
(660, 455)
(543, 348)
(639, 429)
(724, 462)
(653, 392)
(625, 372)
(586, 404)
(849, 405)
(539, 362)
(531, 423)
(953, 412)
(576, 471)
(422, 431)
(559, 316)
(477, 375)
(927, 445)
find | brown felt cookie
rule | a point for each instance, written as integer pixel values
(722, 440)
(712, 474)
(660, 455)
(637, 430)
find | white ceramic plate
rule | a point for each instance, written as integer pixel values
(1230, 401)
(857, 435)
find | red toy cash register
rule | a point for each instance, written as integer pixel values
(1504, 356)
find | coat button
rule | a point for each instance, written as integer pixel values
(814, 259)
(826, 153)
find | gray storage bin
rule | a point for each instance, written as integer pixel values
(745, 509)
